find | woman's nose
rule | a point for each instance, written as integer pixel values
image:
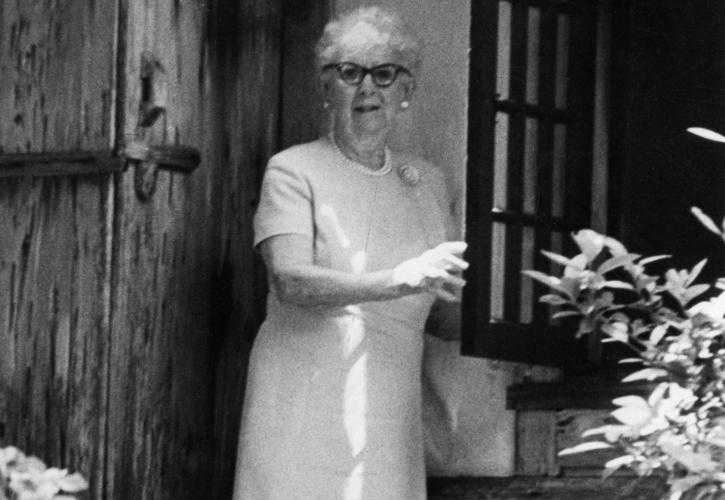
(367, 85)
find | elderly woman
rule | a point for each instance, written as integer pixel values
(355, 238)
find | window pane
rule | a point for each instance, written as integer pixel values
(532, 55)
(530, 168)
(527, 285)
(503, 61)
(500, 162)
(557, 246)
(562, 60)
(558, 171)
(498, 249)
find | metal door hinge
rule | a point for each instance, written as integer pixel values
(154, 90)
(149, 159)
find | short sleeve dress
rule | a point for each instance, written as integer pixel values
(333, 401)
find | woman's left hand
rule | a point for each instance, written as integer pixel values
(436, 270)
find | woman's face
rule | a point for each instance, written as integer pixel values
(366, 109)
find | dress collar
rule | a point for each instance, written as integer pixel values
(385, 169)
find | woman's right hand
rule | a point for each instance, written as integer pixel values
(436, 270)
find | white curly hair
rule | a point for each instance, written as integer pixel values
(365, 28)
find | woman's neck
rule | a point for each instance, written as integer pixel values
(368, 151)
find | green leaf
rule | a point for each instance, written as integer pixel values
(616, 262)
(586, 325)
(615, 247)
(541, 277)
(695, 272)
(705, 220)
(655, 258)
(634, 401)
(618, 462)
(590, 242)
(554, 300)
(694, 291)
(626, 361)
(611, 432)
(617, 330)
(645, 374)
(606, 473)
(683, 484)
(716, 440)
(550, 281)
(633, 416)
(559, 259)
(658, 333)
(570, 286)
(584, 447)
(565, 314)
(696, 462)
(619, 285)
(577, 265)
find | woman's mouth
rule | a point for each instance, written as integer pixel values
(366, 108)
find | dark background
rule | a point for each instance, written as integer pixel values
(668, 75)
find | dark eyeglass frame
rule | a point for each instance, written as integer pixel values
(364, 72)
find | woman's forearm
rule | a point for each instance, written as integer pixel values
(296, 279)
(310, 285)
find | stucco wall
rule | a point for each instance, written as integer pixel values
(435, 126)
(468, 429)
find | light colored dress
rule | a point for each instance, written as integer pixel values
(333, 401)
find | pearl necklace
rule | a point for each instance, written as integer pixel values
(359, 167)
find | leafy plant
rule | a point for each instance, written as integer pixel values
(675, 339)
(25, 477)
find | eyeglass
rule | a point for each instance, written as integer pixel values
(383, 75)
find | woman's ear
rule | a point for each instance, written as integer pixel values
(325, 86)
(409, 86)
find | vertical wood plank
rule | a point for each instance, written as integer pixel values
(56, 94)
(57, 86)
(244, 66)
(602, 105)
(301, 96)
(476, 299)
(536, 443)
(582, 47)
(545, 186)
(160, 402)
(570, 426)
(516, 148)
(263, 89)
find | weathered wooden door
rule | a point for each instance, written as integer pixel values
(129, 292)
(105, 306)
(57, 87)
(160, 403)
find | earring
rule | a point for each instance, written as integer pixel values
(326, 104)
(404, 104)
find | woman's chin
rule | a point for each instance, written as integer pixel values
(370, 122)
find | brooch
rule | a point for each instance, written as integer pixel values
(409, 174)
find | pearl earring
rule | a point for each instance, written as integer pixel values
(404, 104)
(326, 104)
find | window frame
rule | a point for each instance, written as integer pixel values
(538, 342)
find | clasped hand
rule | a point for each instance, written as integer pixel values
(436, 270)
